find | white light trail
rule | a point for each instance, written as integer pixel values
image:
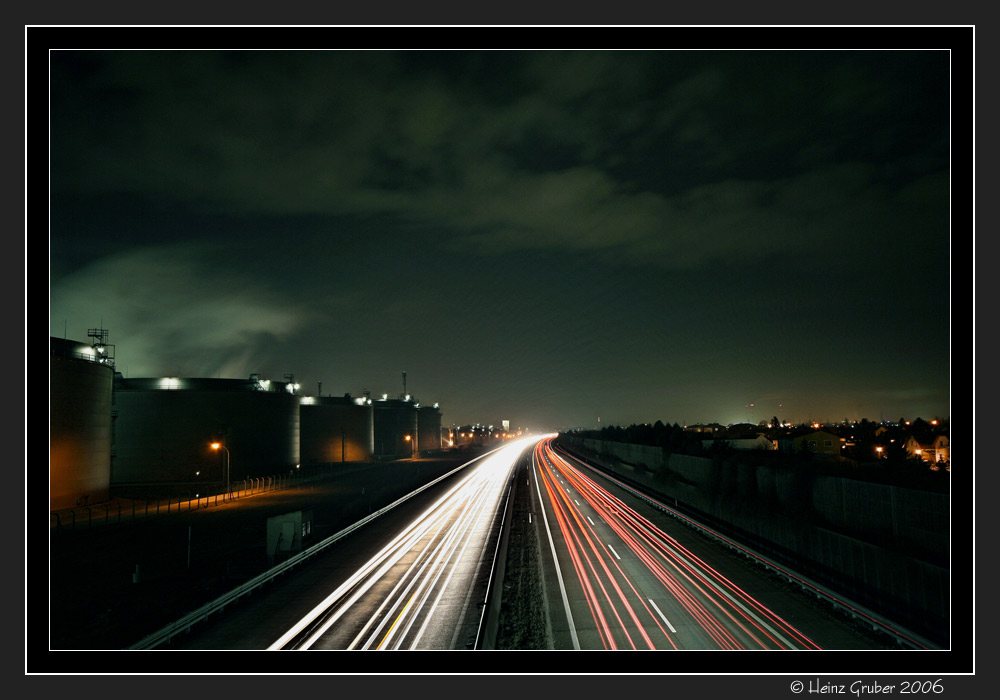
(434, 557)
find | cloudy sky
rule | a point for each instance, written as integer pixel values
(542, 236)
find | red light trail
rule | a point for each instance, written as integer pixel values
(621, 589)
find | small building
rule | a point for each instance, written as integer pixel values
(761, 442)
(820, 442)
(934, 449)
(709, 428)
(942, 449)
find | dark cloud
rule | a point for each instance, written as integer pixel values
(580, 222)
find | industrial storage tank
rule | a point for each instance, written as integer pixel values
(80, 415)
(165, 428)
(336, 429)
(429, 427)
(395, 427)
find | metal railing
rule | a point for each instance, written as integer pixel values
(124, 510)
(185, 624)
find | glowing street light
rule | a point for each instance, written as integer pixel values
(219, 446)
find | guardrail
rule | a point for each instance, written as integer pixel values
(854, 610)
(185, 624)
(489, 621)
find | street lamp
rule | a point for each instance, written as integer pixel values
(219, 446)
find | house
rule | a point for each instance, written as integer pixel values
(942, 449)
(819, 443)
(929, 450)
(760, 442)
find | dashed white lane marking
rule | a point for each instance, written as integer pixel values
(662, 616)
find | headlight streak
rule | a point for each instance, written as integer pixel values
(437, 560)
(662, 555)
(438, 541)
(423, 560)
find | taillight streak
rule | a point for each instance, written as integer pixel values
(582, 530)
(592, 602)
(641, 536)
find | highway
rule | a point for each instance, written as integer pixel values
(621, 582)
(613, 572)
(426, 589)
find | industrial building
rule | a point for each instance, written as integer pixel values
(336, 429)
(396, 428)
(428, 428)
(165, 428)
(81, 378)
(151, 437)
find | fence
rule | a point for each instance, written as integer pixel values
(122, 511)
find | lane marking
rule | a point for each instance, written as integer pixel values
(591, 521)
(613, 551)
(709, 579)
(662, 616)
(396, 622)
(576, 501)
(555, 558)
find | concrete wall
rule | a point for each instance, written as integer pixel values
(883, 546)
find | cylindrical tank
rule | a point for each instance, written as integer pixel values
(429, 427)
(336, 429)
(80, 390)
(396, 432)
(165, 428)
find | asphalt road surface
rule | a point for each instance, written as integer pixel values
(620, 574)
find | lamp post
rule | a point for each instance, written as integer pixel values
(219, 446)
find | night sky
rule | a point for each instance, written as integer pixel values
(543, 236)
